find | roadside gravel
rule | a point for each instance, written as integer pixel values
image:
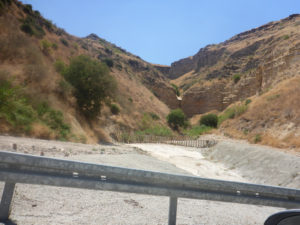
(35, 204)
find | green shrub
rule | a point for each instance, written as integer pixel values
(65, 88)
(92, 84)
(154, 116)
(130, 99)
(54, 46)
(14, 108)
(209, 120)
(285, 37)
(27, 8)
(109, 62)
(176, 119)
(257, 138)
(114, 109)
(32, 26)
(157, 130)
(176, 89)
(45, 46)
(27, 29)
(48, 24)
(236, 78)
(53, 119)
(21, 112)
(197, 130)
(64, 42)
(232, 112)
(60, 66)
(248, 101)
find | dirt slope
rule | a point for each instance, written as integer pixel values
(31, 45)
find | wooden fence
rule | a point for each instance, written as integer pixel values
(187, 141)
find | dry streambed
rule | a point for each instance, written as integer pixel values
(34, 204)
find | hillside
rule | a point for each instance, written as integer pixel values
(261, 65)
(251, 81)
(32, 53)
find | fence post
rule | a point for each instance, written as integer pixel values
(172, 210)
(6, 199)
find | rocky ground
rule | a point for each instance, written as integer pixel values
(35, 204)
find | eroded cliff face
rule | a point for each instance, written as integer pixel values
(247, 64)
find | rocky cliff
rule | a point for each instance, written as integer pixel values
(247, 64)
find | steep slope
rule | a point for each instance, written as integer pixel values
(31, 49)
(247, 64)
(251, 80)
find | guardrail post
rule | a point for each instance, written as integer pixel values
(6, 199)
(172, 211)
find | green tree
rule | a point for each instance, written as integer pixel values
(92, 84)
(210, 120)
(176, 119)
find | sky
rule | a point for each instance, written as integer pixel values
(163, 31)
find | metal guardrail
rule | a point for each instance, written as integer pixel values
(21, 168)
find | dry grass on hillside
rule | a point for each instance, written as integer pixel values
(29, 60)
(274, 117)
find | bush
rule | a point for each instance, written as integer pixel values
(53, 119)
(60, 66)
(64, 42)
(114, 109)
(285, 37)
(32, 26)
(109, 62)
(176, 119)
(27, 8)
(248, 101)
(257, 138)
(236, 78)
(92, 84)
(54, 46)
(21, 112)
(27, 29)
(232, 112)
(154, 116)
(176, 89)
(14, 108)
(157, 130)
(209, 120)
(197, 130)
(45, 46)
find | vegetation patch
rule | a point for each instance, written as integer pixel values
(109, 62)
(236, 78)
(176, 119)
(197, 130)
(64, 42)
(157, 130)
(21, 112)
(114, 109)
(232, 112)
(14, 108)
(273, 97)
(209, 120)
(176, 89)
(32, 26)
(285, 37)
(257, 138)
(248, 101)
(92, 84)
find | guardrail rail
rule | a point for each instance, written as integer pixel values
(29, 169)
